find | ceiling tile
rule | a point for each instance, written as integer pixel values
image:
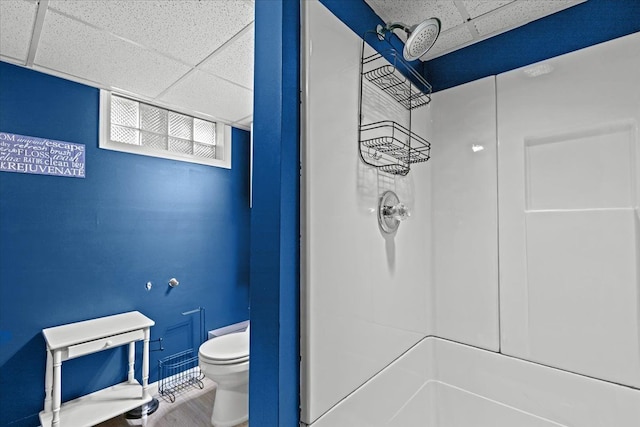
(208, 94)
(202, 27)
(82, 51)
(480, 7)
(414, 12)
(16, 25)
(234, 62)
(518, 13)
(450, 40)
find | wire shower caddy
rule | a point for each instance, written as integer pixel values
(386, 144)
(181, 370)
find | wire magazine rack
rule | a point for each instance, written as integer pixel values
(181, 370)
(388, 145)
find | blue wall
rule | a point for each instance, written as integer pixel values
(275, 220)
(73, 249)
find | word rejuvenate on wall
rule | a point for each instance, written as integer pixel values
(28, 154)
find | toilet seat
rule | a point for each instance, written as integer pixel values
(225, 350)
(210, 361)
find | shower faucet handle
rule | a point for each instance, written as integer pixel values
(391, 212)
(398, 212)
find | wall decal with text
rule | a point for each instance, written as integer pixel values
(28, 154)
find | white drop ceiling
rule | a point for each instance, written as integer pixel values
(188, 55)
(466, 22)
(196, 56)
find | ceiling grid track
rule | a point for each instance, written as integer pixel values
(467, 19)
(198, 66)
(43, 5)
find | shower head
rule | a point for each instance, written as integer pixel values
(420, 37)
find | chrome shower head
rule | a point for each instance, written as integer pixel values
(420, 37)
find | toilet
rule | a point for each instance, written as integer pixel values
(225, 360)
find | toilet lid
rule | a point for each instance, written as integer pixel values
(231, 347)
(220, 362)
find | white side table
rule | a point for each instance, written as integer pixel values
(78, 339)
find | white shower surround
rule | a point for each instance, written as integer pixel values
(367, 294)
(375, 310)
(439, 383)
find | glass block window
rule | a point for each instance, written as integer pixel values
(135, 126)
(137, 123)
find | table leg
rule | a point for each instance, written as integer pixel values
(57, 365)
(145, 365)
(132, 359)
(48, 382)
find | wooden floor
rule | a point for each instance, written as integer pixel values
(192, 408)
